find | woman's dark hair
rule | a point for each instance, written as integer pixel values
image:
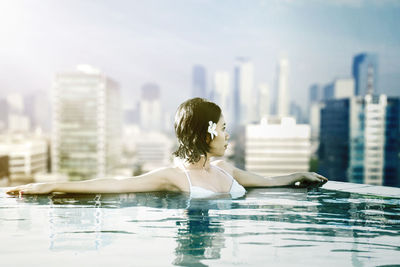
(191, 125)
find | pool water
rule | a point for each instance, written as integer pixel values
(268, 226)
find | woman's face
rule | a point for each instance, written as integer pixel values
(220, 142)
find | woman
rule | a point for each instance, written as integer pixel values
(200, 129)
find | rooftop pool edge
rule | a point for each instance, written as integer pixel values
(363, 189)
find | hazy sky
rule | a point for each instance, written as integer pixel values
(159, 41)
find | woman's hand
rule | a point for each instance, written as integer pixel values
(308, 179)
(37, 188)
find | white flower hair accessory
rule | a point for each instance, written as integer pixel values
(212, 126)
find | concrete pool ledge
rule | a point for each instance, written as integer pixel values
(364, 189)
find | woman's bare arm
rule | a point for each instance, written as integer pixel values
(157, 180)
(249, 179)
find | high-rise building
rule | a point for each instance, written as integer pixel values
(222, 94)
(277, 146)
(245, 108)
(86, 124)
(333, 152)
(360, 140)
(282, 108)
(365, 73)
(199, 81)
(150, 107)
(264, 109)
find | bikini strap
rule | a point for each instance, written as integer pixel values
(223, 171)
(187, 175)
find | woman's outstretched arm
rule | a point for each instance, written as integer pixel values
(249, 179)
(157, 180)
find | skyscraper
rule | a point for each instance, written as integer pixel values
(150, 107)
(333, 152)
(263, 100)
(245, 108)
(86, 124)
(365, 74)
(360, 140)
(199, 83)
(222, 94)
(282, 101)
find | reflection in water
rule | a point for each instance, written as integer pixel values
(265, 224)
(76, 227)
(198, 238)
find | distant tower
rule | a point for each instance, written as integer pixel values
(86, 124)
(282, 94)
(263, 100)
(314, 94)
(222, 94)
(365, 73)
(245, 108)
(150, 107)
(199, 81)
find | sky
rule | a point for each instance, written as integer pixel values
(159, 41)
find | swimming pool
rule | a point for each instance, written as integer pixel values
(268, 226)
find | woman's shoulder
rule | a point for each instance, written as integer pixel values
(169, 172)
(223, 165)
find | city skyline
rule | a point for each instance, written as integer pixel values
(160, 41)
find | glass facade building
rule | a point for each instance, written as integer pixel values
(360, 140)
(333, 151)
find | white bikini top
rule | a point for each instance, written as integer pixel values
(235, 191)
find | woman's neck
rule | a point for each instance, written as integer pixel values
(202, 164)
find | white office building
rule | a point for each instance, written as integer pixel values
(86, 124)
(277, 146)
(367, 139)
(27, 156)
